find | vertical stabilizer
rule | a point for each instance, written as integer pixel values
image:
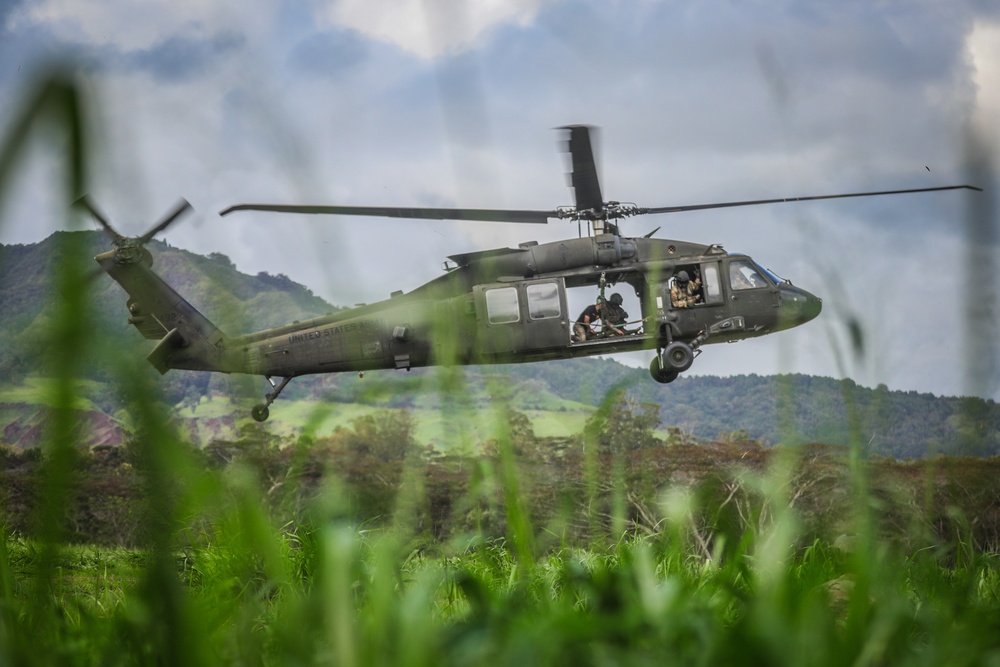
(187, 339)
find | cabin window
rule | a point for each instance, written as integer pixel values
(744, 275)
(502, 305)
(711, 284)
(543, 301)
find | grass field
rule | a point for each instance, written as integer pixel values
(433, 427)
(334, 594)
(37, 390)
(221, 418)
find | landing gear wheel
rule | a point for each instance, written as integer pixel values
(678, 356)
(260, 412)
(659, 374)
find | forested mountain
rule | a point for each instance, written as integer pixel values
(783, 409)
(234, 301)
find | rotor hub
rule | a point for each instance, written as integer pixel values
(127, 250)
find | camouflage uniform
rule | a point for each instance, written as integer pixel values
(685, 293)
(613, 318)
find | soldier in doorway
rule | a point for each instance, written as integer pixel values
(614, 317)
(685, 292)
(584, 326)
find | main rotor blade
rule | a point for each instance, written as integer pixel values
(754, 202)
(584, 178)
(88, 206)
(182, 207)
(484, 215)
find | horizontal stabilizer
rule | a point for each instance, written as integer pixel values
(161, 354)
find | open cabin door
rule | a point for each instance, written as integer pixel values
(521, 316)
(708, 310)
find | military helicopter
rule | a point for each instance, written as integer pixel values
(505, 305)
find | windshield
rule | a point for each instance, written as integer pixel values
(777, 280)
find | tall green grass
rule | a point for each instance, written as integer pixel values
(219, 578)
(335, 594)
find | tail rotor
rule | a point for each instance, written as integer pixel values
(130, 249)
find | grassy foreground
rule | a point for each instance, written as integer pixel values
(340, 597)
(221, 583)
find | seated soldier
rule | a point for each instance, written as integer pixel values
(685, 292)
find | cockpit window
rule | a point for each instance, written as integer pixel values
(775, 278)
(743, 274)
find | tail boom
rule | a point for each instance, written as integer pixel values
(187, 339)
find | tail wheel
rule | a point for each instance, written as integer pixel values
(260, 412)
(678, 356)
(661, 375)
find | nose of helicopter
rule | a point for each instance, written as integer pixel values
(797, 306)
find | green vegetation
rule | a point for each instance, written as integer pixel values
(629, 543)
(359, 548)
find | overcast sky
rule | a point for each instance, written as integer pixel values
(448, 103)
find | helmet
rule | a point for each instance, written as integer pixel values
(616, 299)
(682, 277)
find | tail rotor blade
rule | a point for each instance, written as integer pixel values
(88, 206)
(182, 207)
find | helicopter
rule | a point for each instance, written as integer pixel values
(496, 306)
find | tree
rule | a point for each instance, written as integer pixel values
(386, 435)
(626, 425)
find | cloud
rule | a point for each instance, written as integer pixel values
(328, 53)
(431, 28)
(134, 26)
(7, 9)
(179, 57)
(170, 43)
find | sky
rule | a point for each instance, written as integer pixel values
(451, 103)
